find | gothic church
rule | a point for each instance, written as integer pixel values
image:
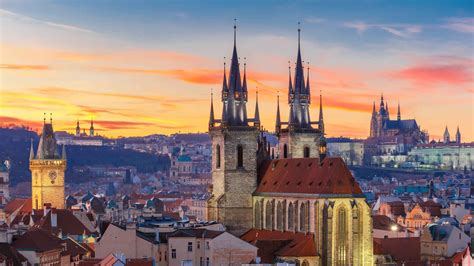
(308, 209)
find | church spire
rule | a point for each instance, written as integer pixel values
(386, 109)
(458, 136)
(446, 136)
(91, 130)
(308, 89)
(290, 85)
(399, 115)
(373, 108)
(321, 120)
(278, 120)
(299, 75)
(257, 113)
(78, 128)
(381, 103)
(32, 151)
(211, 116)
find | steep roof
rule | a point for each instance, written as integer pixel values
(307, 176)
(67, 223)
(405, 249)
(38, 240)
(23, 205)
(383, 222)
(277, 243)
(10, 252)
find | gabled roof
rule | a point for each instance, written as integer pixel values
(38, 240)
(10, 252)
(406, 249)
(383, 222)
(67, 223)
(307, 176)
(23, 205)
(282, 244)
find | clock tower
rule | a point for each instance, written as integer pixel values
(47, 168)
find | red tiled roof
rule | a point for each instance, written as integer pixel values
(38, 240)
(139, 262)
(74, 248)
(23, 204)
(307, 175)
(284, 244)
(66, 222)
(401, 249)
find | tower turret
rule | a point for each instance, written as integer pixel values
(91, 129)
(458, 136)
(321, 120)
(211, 116)
(257, 112)
(78, 128)
(446, 136)
(399, 115)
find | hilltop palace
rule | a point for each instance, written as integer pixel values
(309, 204)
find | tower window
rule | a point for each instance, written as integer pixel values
(285, 151)
(218, 156)
(306, 152)
(240, 156)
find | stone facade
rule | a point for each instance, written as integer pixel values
(233, 185)
(452, 155)
(299, 144)
(47, 184)
(321, 216)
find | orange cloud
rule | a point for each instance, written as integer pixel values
(110, 125)
(24, 67)
(7, 121)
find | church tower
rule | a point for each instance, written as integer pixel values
(235, 139)
(446, 136)
(78, 129)
(47, 170)
(299, 139)
(91, 130)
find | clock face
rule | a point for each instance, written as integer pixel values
(52, 176)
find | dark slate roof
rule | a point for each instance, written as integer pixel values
(38, 240)
(402, 124)
(440, 232)
(198, 233)
(10, 252)
(307, 176)
(66, 222)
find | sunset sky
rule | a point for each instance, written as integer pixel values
(146, 67)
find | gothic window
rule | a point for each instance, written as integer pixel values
(218, 156)
(341, 238)
(291, 217)
(269, 211)
(305, 263)
(306, 152)
(303, 217)
(240, 156)
(285, 151)
(258, 215)
(279, 218)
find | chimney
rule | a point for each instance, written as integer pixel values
(54, 218)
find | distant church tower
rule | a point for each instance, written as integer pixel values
(47, 171)
(78, 129)
(446, 136)
(299, 139)
(91, 130)
(458, 136)
(234, 153)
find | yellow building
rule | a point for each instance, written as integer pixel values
(47, 171)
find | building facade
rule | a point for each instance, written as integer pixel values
(47, 168)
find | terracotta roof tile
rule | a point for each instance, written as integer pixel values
(66, 222)
(284, 244)
(38, 240)
(307, 175)
(401, 249)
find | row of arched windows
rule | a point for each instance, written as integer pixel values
(306, 151)
(297, 218)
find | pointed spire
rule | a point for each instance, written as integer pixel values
(244, 85)
(32, 151)
(299, 75)
(290, 85)
(386, 109)
(257, 113)
(373, 109)
(381, 102)
(458, 136)
(446, 136)
(278, 120)
(63, 153)
(399, 114)
(321, 119)
(211, 116)
(308, 89)
(235, 32)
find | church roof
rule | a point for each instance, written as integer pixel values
(402, 124)
(307, 176)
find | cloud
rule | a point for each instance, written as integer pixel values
(111, 125)
(7, 121)
(400, 30)
(6, 13)
(465, 25)
(439, 69)
(24, 67)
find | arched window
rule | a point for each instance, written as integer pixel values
(279, 218)
(303, 217)
(285, 151)
(240, 156)
(269, 211)
(218, 156)
(291, 217)
(305, 263)
(341, 238)
(258, 215)
(306, 152)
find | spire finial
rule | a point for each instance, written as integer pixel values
(321, 119)
(299, 31)
(51, 118)
(44, 118)
(235, 31)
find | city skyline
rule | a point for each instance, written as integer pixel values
(151, 69)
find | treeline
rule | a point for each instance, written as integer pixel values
(15, 146)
